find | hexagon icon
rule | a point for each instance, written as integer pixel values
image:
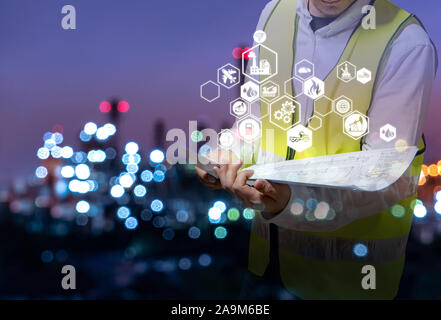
(356, 125)
(293, 82)
(258, 69)
(323, 106)
(282, 112)
(299, 138)
(364, 75)
(343, 105)
(388, 132)
(315, 123)
(210, 91)
(249, 128)
(226, 139)
(239, 108)
(259, 109)
(304, 69)
(346, 71)
(269, 91)
(249, 91)
(228, 76)
(314, 88)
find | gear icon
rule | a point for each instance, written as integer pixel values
(288, 108)
(287, 119)
(278, 115)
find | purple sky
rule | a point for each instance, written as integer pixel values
(154, 54)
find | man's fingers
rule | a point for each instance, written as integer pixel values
(266, 187)
(209, 178)
(227, 175)
(249, 195)
(205, 176)
(231, 172)
(243, 177)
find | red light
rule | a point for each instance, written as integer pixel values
(246, 54)
(123, 106)
(105, 107)
(238, 51)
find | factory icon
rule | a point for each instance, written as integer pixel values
(264, 67)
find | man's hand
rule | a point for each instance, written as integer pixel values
(208, 180)
(276, 198)
(218, 156)
(270, 198)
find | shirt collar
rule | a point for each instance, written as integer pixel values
(346, 21)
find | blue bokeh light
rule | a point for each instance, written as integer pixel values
(123, 212)
(140, 191)
(157, 205)
(131, 223)
(360, 250)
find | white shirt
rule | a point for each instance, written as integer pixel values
(402, 99)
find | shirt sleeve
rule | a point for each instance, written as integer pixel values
(402, 99)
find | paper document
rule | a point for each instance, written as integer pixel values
(371, 170)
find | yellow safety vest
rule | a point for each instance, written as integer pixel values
(321, 265)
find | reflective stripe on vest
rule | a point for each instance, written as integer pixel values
(384, 235)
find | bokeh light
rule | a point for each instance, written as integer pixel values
(67, 152)
(360, 250)
(158, 176)
(43, 153)
(194, 232)
(41, 172)
(82, 206)
(205, 260)
(131, 223)
(123, 212)
(182, 216)
(127, 180)
(437, 207)
(157, 205)
(420, 211)
(214, 215)
(123, 106)
(146, 176)
(321, 210)
(197, 136)
(105, 107)
(47, 256)
(220, 232)
(131, 147)
(297, 207)
(248, 213)
(90, 128)
(398, 211)
(157, 156)
(233, 214)
(168, 234)
(184, 264)
(140, 191)
(433, 170)
(220, 205)
(82, 171)
(117, 191)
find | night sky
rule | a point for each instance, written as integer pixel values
(153, 54)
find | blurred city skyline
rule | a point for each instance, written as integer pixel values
(152, 54)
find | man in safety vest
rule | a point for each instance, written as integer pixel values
(327, 256)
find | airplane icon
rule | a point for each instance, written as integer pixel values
(228, 76)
